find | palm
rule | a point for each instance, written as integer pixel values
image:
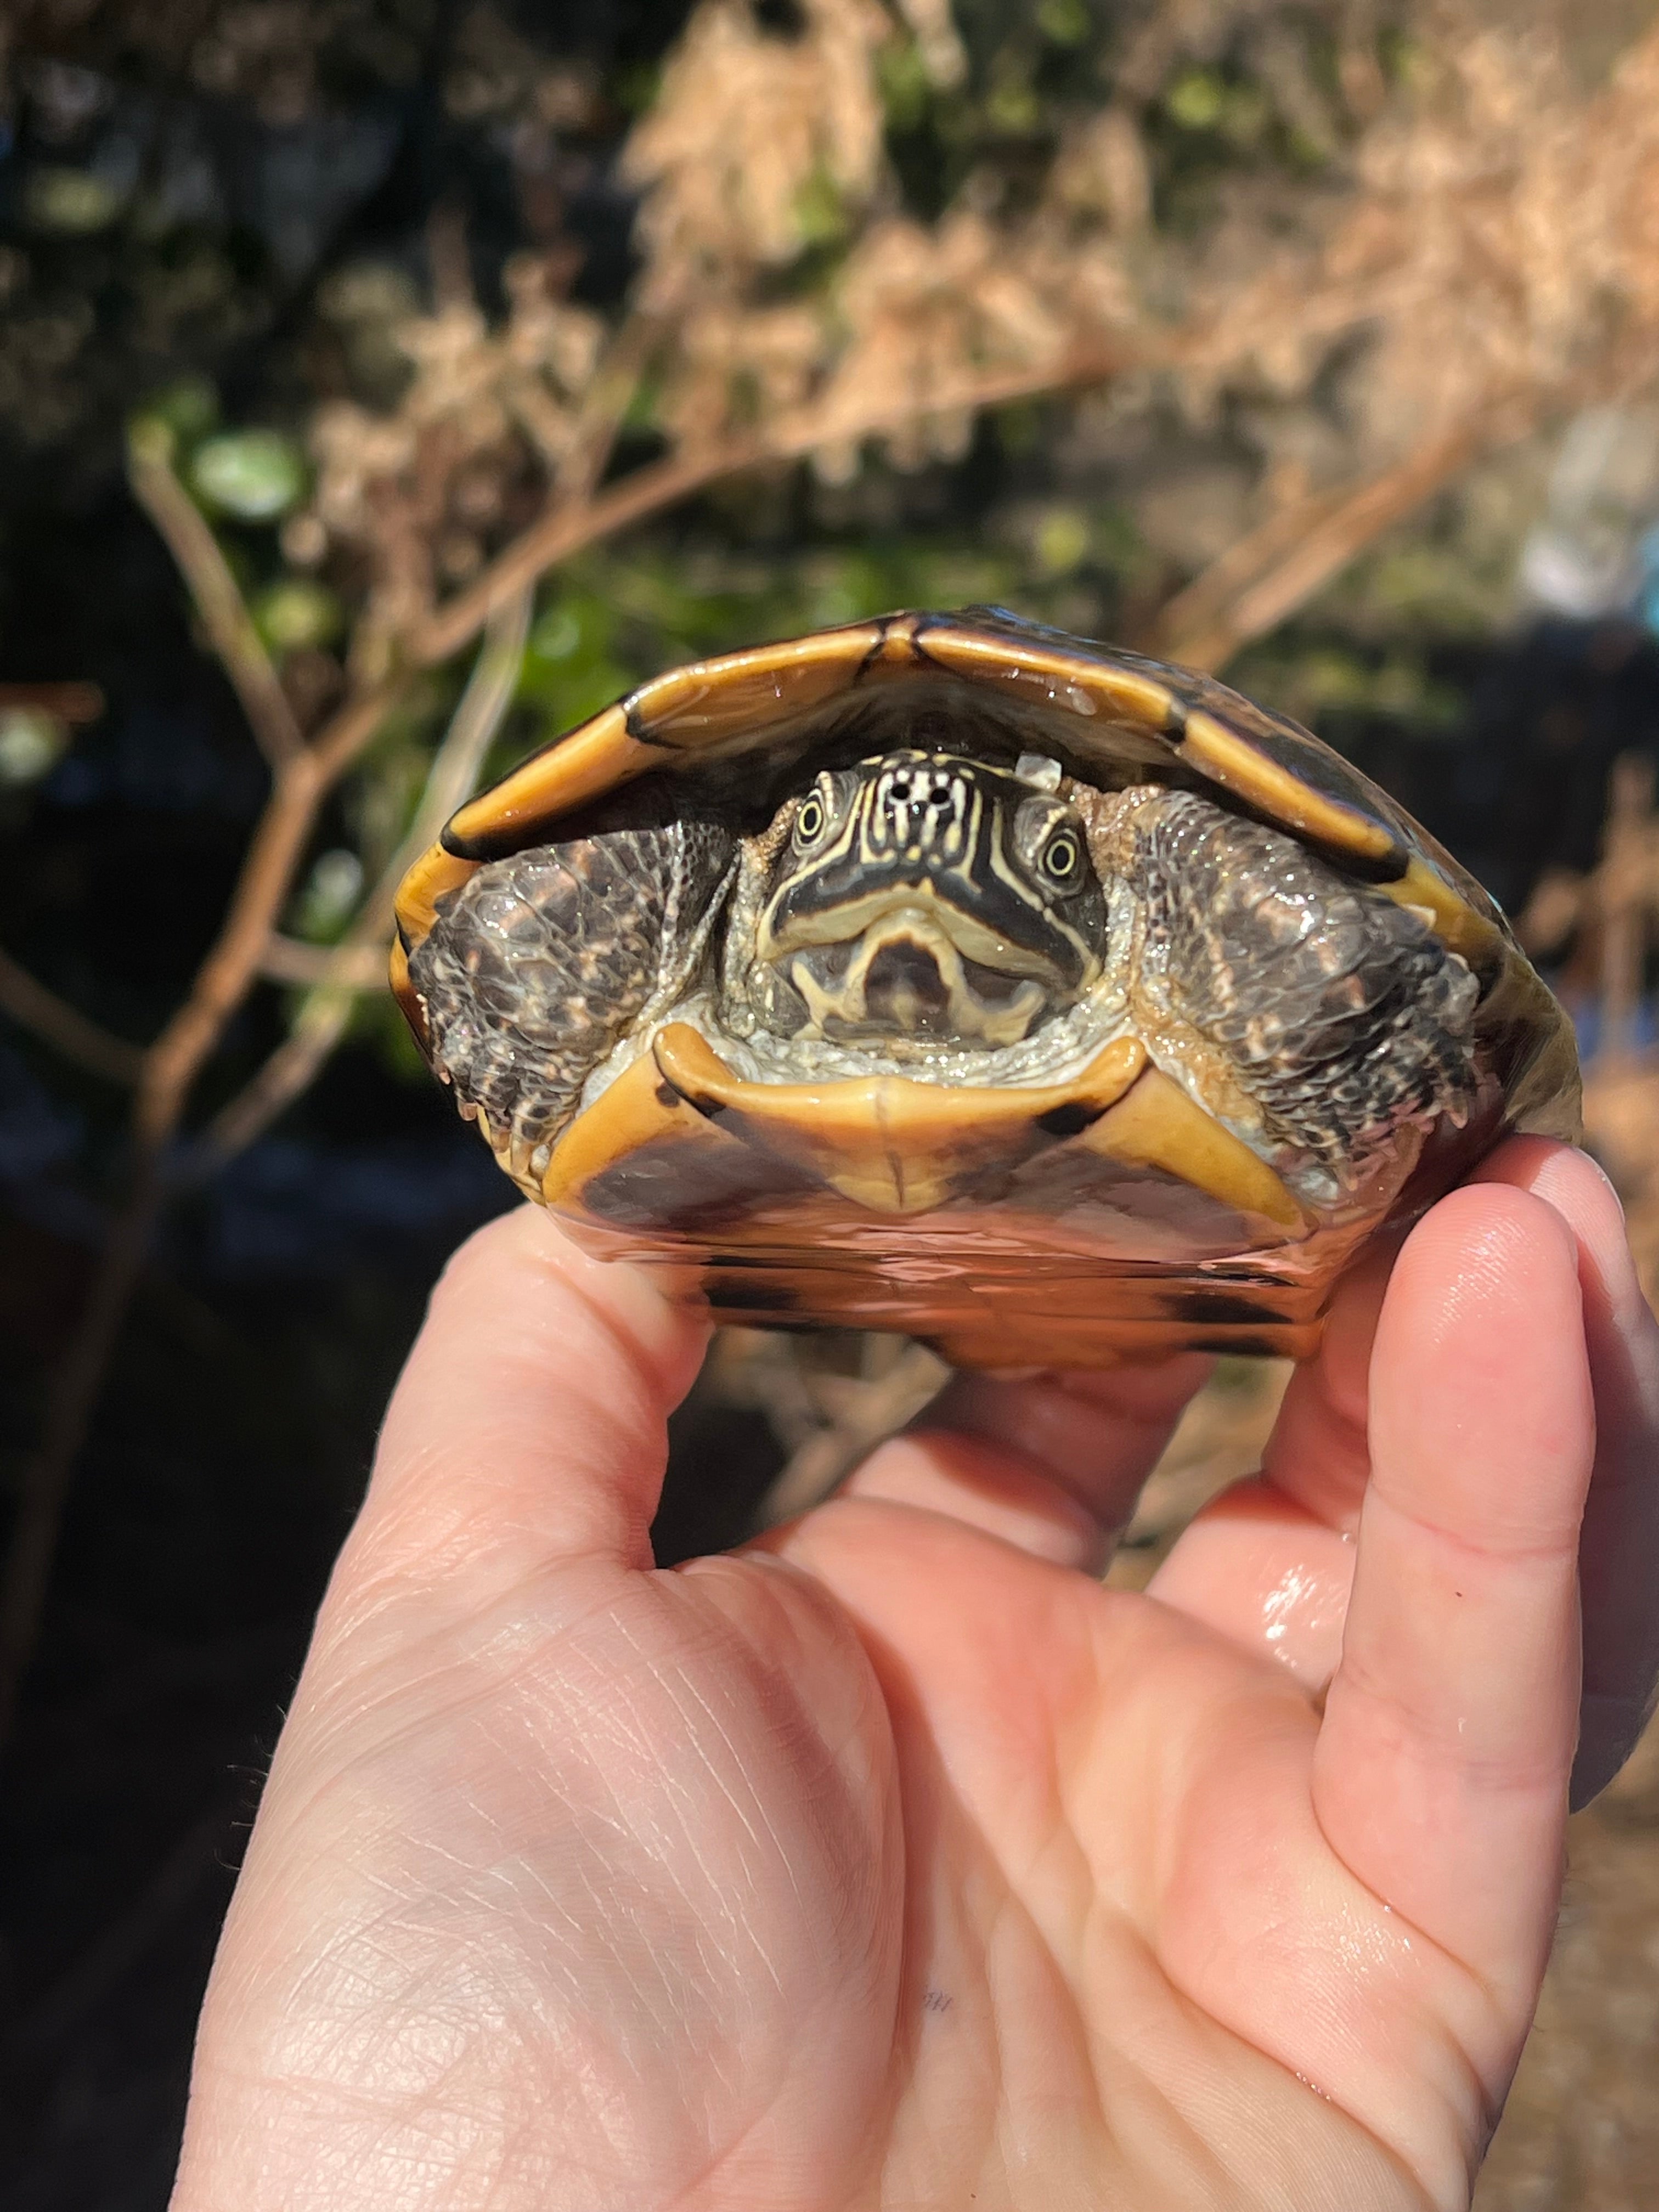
(893, 1864)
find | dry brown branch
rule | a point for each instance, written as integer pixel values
(56, 1023)
(1199, 609)
(871, 1412)
(654, 488)
(605, 403)
(325, 1013)
(1615, 905)
(291, 960)
(71, 1395)
(1306, 547)
(213, 589)
(167, 1072)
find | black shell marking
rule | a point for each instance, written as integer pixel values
(1087, 701)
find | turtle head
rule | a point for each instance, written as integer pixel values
(930, 897)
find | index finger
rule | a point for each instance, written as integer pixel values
(1440, 1775)
(1620, 1539)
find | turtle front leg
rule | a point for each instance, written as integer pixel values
(1315, 1007)
(541, 964)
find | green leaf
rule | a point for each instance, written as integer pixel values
(329, 896)
(189, 408)
(252, 475)
(297, 613)
(71, 202)
(1062, 541)
(1196, 101)
(1063, 22)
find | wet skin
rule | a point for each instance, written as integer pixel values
(897, 1862)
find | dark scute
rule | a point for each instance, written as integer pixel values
(688, 1190)
(750, 1294)
(1230, 1344)
(1069, 1119)
(1213, 1308)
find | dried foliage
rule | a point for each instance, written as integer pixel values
(748, 134)
(1500, 239)
(407, 503)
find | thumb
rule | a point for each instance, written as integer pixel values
(529, 1425)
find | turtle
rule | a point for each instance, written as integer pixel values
(948, 974)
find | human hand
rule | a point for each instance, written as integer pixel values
(896, 1861)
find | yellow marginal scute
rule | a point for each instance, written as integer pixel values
(1238, 766)
(1071, 682)
(594, 759)
(1455, 920)
(887, 1143)
(638, 1109)
(1156, 1125)
(432, 875)
(404, 993)
(690, 709)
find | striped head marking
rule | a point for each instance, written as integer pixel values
(931, 896)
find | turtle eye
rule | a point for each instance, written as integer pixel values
(1060, 860)
(811, 819)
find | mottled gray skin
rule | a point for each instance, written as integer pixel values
(1340, 1009)
(540, 965)
(1337, 1013)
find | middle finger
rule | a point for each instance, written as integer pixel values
(1051, 1462)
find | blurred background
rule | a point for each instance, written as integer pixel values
(385, 385)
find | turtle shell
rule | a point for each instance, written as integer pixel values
(1108, 1216)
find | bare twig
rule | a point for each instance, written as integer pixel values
(1303, 548)
(167, 1070)
(213, 588)
(871, 1413)
(291, 960)
(604, 406)
(71, 1395)
(449, 258)
(561, 530)
(322, 1019)
(1199, 611)
(56, 1023)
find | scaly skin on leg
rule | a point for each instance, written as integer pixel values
(542, 962)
